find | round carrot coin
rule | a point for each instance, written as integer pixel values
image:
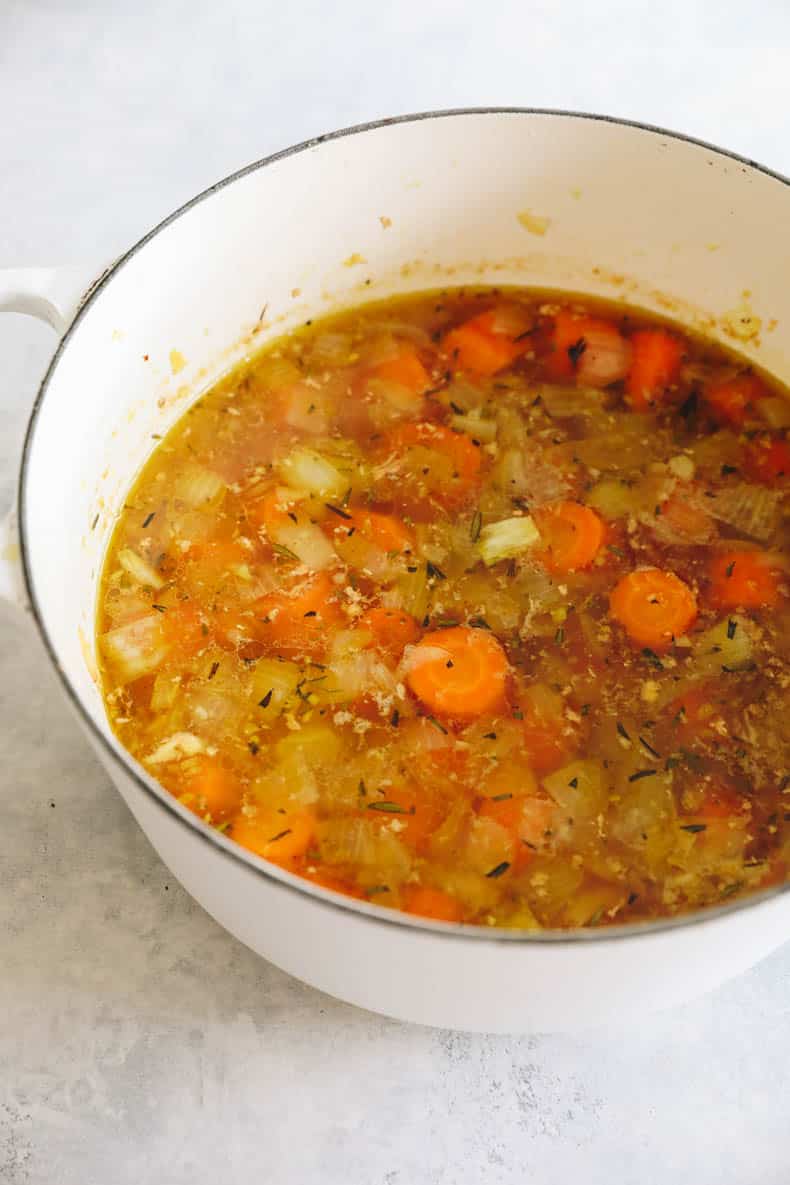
(572, 534)
(742, 580)
(653, 606)
(458, 672)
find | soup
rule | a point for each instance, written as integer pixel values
(472, 604)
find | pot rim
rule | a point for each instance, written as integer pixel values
(326, 898)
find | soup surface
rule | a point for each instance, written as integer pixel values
(474, 605)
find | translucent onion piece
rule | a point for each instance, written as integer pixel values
(139, 569)
(755, 510)
(606, 358)
(569, 401)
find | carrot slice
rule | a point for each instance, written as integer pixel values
(653, 606)
(459, 450)
(298, 621)
(385, 531)
(768, 460)
(480, 347)
(458, 672)
(392, 630)
(572, 534)
(589, 347)
(742, 580)
(279, 838)
(427, 902)
(406, 370)
(655, 366)
(210, 790)
(732, 402)
(550, 739)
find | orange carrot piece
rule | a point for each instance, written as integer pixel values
(406, 370)
(768, 460)
(732, 402)
(426, 902)
(742, 580)
(210, 790)
(463, 454)
(550, 739)
(655, 366)
(459, 672)
(572, 534)
(279, 838)
(385, 531)
(479, 348)
(654, 607)
(299, 620)
(392, 630)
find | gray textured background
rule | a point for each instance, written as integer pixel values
(138, 1043)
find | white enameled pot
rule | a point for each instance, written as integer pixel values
(486, 197)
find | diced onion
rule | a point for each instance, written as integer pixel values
(510, 537)
(308, 470)
(408, 332)
(307, 410)
(681, 466)
(317, 744)
(568, 401)
(487, 844)
(775, 410)
(749, 508)
(612, 498)
(308, 542)
(728, 645)
(277, 373)
(135, 649)
(139, 569)
(391, 400)
(476, 426)
(579, 788)
(606, 358)
(199, 487)
(164, 692)
(176, 747)
(331, 349)
(511, 320)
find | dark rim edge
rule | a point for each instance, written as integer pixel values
(326, 898)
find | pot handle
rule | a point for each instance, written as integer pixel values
(53, 295)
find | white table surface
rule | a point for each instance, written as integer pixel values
(138, 1042)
